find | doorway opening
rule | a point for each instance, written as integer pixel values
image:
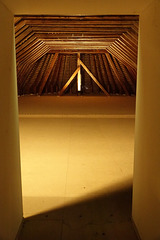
(77, 149)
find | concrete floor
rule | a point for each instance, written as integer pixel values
(77, 167)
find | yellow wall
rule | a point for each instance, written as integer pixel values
(146, 198)
(10, 184)
(72, 7)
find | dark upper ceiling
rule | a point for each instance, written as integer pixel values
(48, 49)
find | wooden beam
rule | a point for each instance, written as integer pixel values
(72, 51)
(79, 73)
(130, 39)
(123, 49)
(129, 79)
(25, 36)
(30, 49)
(116, 73)
(93, 69)
(69, 81)
(35, 55)
(94, 79)
(124, 56)
(103, 71)
(133, 36)
(130, 45)
(85, 29)
(76, 48)
(47, 73)
(120, 57)
(28, 77)
(99, 70)
(32, 81)
(121, 74)
(86, 18)
(109, 74)
(77, 22)
(122, 43)
(54, 79)
(33, 40)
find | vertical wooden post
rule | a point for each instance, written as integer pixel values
(79, 74)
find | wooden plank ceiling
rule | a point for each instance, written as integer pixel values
(53, 51)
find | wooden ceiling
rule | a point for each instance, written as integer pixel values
(52, 51)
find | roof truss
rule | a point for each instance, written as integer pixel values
(113, 38)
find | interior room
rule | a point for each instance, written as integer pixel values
(79, 207)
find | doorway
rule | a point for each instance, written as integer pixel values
(77, 151)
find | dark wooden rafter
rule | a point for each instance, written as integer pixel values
(23, 36)
(125, 82)
(22, 76)
(39, 75)
(42, 66)
(129, 79)
(31, 48)
(103, 71)
(23, 48)
(28, 87)
(47, 73)
(125, 50)
(123, 55)
(116, 53)
(94, 72)
(127, 42)
(98, 69)
(56, 74)
(109, 74)
(116, 73)
(61, 72)
(125, 47)
(28, 74)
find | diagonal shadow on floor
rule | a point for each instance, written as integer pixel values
(104, 215)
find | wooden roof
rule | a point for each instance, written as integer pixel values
(48, 49)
